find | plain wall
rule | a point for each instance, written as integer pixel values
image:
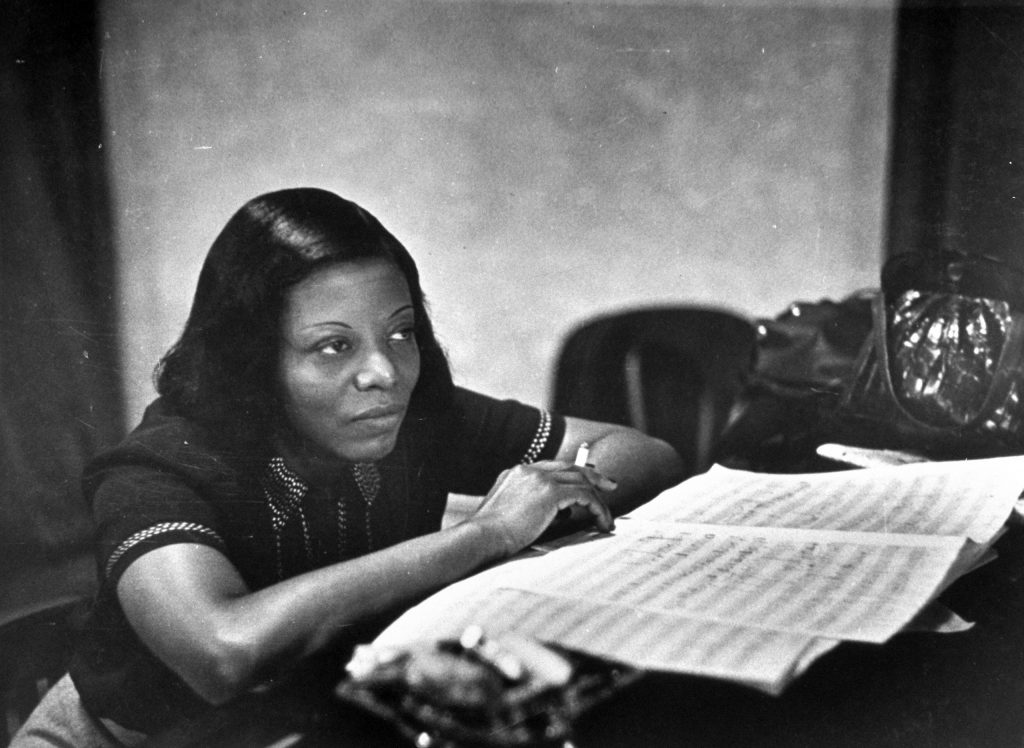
(544, 162)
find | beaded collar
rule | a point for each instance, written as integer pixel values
(285, 491)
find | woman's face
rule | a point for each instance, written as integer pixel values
(349, 359)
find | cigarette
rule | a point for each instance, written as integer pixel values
(582, 455)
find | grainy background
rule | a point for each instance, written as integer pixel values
(544, 161)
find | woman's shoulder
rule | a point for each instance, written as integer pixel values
(465, 399)
(476, 408)
(171, 443)
(488, 434)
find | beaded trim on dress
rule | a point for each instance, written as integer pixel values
(367, 477)
(540, 439)
(285, 491)
(158, 529)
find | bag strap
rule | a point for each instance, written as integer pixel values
(1008, 367)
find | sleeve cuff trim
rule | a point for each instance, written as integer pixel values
(150, 532)
(540, 439)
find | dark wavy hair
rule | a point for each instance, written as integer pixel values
(222, 372)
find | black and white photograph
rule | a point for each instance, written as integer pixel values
(500, 373)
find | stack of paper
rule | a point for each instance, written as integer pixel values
(744, 576)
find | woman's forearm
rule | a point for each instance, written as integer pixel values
(324, 602)
(226, 638)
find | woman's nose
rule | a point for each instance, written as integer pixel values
(376, 370)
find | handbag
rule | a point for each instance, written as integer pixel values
(931, 363)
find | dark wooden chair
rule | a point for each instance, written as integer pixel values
(672, 372)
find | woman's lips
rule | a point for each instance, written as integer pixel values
(380, 416)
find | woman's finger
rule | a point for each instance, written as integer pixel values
(550, 466)
(598, 479)
(574, 475)
(602, 515)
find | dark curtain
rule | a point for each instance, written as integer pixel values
(59, 384)
(957, 178)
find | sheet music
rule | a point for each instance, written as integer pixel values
(967, 498)
(698, 581)
(765, 660)
(839, 585)
(629, 598)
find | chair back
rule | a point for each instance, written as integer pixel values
(671, 372)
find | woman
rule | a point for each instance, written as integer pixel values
(285, 492)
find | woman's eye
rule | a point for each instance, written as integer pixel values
(333, 347)
(406, 333)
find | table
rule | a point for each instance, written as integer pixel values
(964, 689)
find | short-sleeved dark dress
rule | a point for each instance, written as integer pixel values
(171, 482)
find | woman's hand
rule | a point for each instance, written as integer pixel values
(641, 465)
(525, 499)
